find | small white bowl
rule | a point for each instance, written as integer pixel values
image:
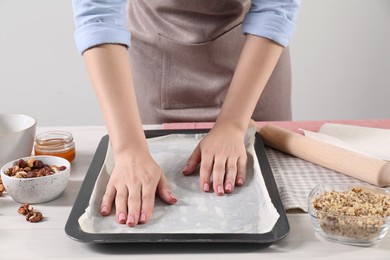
(17, 133)
(37, 189)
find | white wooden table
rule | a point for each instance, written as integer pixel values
(20, 239)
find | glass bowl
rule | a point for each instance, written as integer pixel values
(350, 214)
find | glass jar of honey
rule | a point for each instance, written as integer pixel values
(55, 143)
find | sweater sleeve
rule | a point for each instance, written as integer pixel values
(99, 22)
(272, 19)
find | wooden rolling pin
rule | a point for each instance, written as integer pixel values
(362, 167)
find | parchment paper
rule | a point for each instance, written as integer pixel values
(374, 142)
(248, 210)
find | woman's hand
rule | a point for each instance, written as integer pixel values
(222, 155)
(136, 176)
(222, 152)
(132, 187)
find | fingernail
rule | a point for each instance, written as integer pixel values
(173, 197)
(142, 218)
(206, 187)
(122, 218)
(104, 210)
(228, 187)
(131, 220)
(240, 181)
(220, 190)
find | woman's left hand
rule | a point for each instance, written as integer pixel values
(222, 155)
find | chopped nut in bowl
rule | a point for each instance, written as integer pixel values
(355, 215)
(36, 179)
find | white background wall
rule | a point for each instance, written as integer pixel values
(340, 59)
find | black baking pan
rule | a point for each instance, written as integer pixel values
(73, 230)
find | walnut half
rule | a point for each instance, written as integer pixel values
(31, 214)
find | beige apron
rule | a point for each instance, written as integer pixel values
(183, 55)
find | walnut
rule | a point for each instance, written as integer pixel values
(21, 174)
(2, 188)
(34, 216)
(31, 215)
(357, 213)
(25, 208)
(32, 169)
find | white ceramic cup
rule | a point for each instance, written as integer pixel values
(17, 133)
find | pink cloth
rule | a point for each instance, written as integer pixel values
(290, 125)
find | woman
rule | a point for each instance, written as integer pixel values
(187, 60)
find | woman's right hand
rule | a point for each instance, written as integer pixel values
(132, 187)
(136, 176)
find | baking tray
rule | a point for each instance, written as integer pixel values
(74, 231)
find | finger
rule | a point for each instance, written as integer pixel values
(206, 167)
(230, 176)
(193, 161)
(107, 200)
(241, 171)
(121, 204)
(134, 206)
(165, 192)
(148, 197)
(218, 175)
